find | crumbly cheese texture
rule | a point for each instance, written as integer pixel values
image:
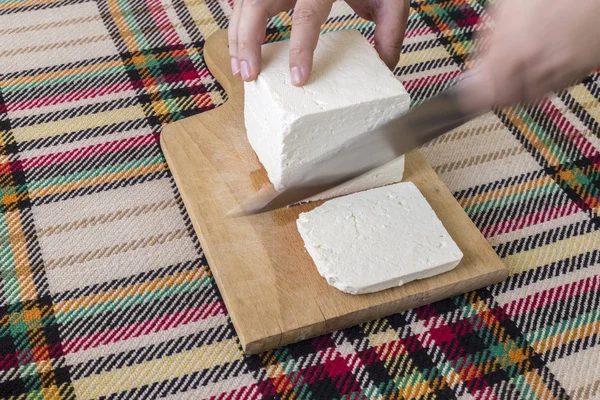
(377, 239)
(351, 91)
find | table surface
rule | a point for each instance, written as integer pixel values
(104, 289)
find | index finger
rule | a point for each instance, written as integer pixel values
(308, 17)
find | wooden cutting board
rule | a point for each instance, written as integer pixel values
(272, 290)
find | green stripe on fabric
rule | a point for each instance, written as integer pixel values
(513, 198)
(563, 326)
(133, 300)
(96, 173)
(541, 134)
(109, 71)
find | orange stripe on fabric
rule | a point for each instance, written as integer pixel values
(123, 292)
(506, 191)
(538, 385)
(567, 336)
(531, 137)
(107, 178)
(60, 74)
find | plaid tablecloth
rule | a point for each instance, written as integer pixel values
(104, 289)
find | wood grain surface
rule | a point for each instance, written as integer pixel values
(272, 290)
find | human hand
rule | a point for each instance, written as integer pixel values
(249, 21)
(536, 46)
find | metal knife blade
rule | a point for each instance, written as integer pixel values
(419, 125)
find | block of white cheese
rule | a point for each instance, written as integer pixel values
(377, 239)
(351, 91)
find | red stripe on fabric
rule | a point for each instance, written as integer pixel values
(163, 323)
(418, 32)
(530, 219)
(541, 299)
(242, 393)
(569, 130)
(75, 95)
(488, 394)
(84, 152)
(35, 355)
(163, 23)
(430, 80)
(389, 350)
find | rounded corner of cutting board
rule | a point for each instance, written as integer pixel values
(166, 134)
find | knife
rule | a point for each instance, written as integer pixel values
(421, 124)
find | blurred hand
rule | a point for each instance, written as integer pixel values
(249, 21)
(536, 46)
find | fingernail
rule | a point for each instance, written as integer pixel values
(235, 66)
(296, 76)
(245, 70)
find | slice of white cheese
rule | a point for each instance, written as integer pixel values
(351, 91)
(377, 239)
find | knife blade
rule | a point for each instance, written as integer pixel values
(418, 126)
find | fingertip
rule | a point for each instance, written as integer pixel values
(298, 76)
(248, 70)
(235, 66)
(245, 70)
(389, 58)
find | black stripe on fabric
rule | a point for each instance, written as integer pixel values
(67, 89)
(187, 20)
(575, 346)
(550, 170)
(360, 375)
(132, 71)
(103, 187)
(136, 313)
(424, 66)
(93, 163)
(146, 29)
(188, 223)
(157, 351)
(73, 112)
(576, 194)
(504, 117)
(183, 383)
(535, 361)
(553, 131)
(217, 13)
(546, 237)
(592, 85)
(40, 331)
(558, 311)
(61, 68)
(340, 19)
(43, 6)
(521, 209)
(110, 25)
(548, 271)
(443, 39)
(425, 360)
(116, 284)
(428, 89)
(85, 134)
(499, 184)
(507, 390)
(419, 46)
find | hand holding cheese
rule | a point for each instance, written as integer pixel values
(248, 24)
